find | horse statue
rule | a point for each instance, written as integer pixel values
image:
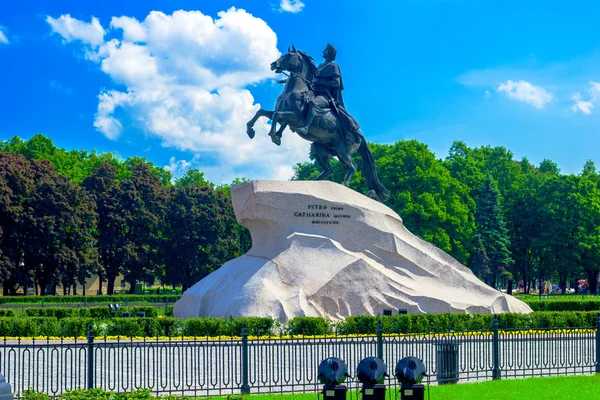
(325, 132)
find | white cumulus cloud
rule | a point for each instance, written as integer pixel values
(72, 29)
(3, 38)
(185, 78)
(586, 106)
(293, 6)
(580, 105)
(177, 167)
(527, 93)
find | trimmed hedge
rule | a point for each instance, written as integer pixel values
(564, 305)
(103, 299)
(77, 326)
(94, 394)
(6, 313)
(88, 312)
(167, 326)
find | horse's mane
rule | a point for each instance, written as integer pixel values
(311, 63)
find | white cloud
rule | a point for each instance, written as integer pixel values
(72, 29)
(594, 90)
(177, 167)
(185, 77)
(586, 107)
(487, 94)
(3, 38)
(133, 30)
(293, 6)
(527, 93)
(580, 105)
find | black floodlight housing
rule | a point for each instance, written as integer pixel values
(387, 311)
(402, 311)
(371, 372)
(410, 371)
(333, 372)
(113, 308)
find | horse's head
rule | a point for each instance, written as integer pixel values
(291, 61)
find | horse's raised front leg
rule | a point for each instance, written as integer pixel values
(281, 118)
(250, 124)
(322, 155)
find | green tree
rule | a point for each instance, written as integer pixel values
(142, 199)
(16, 185)
(193, 177)
(492, 230)
(199, 234)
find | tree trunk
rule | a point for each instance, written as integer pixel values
(65, 287)
(562, 283)
(75, 289)
(132, 287)
(37, 284)
(509, 288)
(100, 279)
(110, 284)
(593, 281)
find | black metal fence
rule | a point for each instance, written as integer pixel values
(209, 366)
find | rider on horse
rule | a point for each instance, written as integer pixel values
(328, 83)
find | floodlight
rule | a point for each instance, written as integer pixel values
(333, 372)
(410, 371)
(371, 372)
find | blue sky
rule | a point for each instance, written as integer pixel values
(175, 81)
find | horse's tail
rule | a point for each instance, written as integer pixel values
(370, 173)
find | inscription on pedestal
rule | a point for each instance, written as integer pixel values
(323, 214)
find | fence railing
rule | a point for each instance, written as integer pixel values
(217, 366)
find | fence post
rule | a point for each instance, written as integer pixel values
(380, 340)
(245, 385)
(90, 357)
(598, 343)
(495, 349)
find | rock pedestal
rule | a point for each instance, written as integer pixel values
(5, 390)
(321, 249)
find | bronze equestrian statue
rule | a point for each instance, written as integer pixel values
(312, 105)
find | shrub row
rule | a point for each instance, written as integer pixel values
(104, 299)
(568, 305)
(98, 394)
(6, 313)
(87, 312)
(167, 326)
(70, 327)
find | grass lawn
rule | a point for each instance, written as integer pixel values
(571, 388)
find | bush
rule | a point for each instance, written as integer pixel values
(564, 305)
(103, 299)
(168, 326)
(6, 313)
(96, 394)
(309, 326)
(55, 312)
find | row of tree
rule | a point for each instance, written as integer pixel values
(81, 213)
(121, 218)
(507, 220)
